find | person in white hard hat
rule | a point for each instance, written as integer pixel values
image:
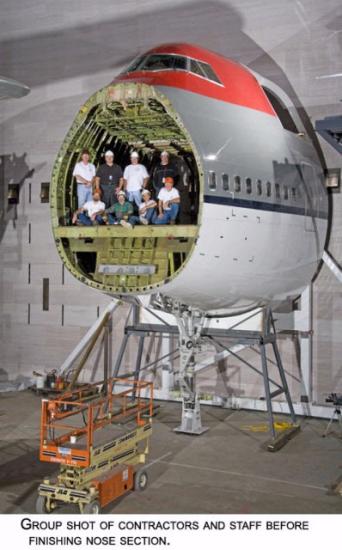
(135, 179)
(120, 212)
(147, 209)
(84, 173)
(109, 180)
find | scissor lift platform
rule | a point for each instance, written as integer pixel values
(98, 440)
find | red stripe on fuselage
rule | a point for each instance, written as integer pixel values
(239, 86)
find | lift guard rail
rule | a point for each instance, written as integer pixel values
(68, 424)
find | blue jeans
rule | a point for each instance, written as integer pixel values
(168, 215)
(134, 196)
(84, 194)
(112, 219)
(85, 220)
(149, 215)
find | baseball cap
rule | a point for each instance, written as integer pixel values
(168, 179)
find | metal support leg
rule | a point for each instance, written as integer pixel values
(120, 355)
(105, 358)
(138, 364)
(284, 381)
(267, 388)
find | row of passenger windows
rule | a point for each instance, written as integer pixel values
(255, 187)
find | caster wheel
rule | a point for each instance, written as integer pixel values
(92, 508)
(42, 506)
(140, 480)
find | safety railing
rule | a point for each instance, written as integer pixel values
(69, 423)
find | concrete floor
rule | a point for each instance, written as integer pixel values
(223, 471)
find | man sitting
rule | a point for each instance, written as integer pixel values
(168, 204)
(120, 212)
(147, 209)
(91, 212)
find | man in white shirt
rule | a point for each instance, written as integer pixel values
(147, 210)
(135, 179)
(91, 212)
(168, 203)
(84, 172)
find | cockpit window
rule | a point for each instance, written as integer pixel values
(171, 62)
(203, 69)
(160, 62)
(135, 64)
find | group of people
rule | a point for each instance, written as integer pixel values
(110, 196)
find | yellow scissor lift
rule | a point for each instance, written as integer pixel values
(99, 436)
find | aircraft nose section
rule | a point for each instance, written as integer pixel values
(118, 258)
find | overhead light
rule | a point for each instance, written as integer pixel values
(335, 75)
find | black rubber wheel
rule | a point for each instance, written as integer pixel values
(140, 480)
(92, 508)
(41, 505)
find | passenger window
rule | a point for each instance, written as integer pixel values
(212, 181)
(259, 187)
(277, 190)
(286, 193)
(248, 186)
(294, 193)
(237, 184)
(268, 189)
(225, 182)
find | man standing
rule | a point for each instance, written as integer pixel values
(163, 170)
(109, 180)
(135, 179)
(84, 172)
(168, 204)
(91, 212)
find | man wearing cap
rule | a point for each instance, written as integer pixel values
(163, 170)
(168, 204)
(91, 212)
(84, 173)
(135, 179)
(109, 179)
(147, 209)
(120, 212)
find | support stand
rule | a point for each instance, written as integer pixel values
(191, 332)
(190, 323)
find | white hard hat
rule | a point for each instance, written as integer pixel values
(135, 154)
(109, 153)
